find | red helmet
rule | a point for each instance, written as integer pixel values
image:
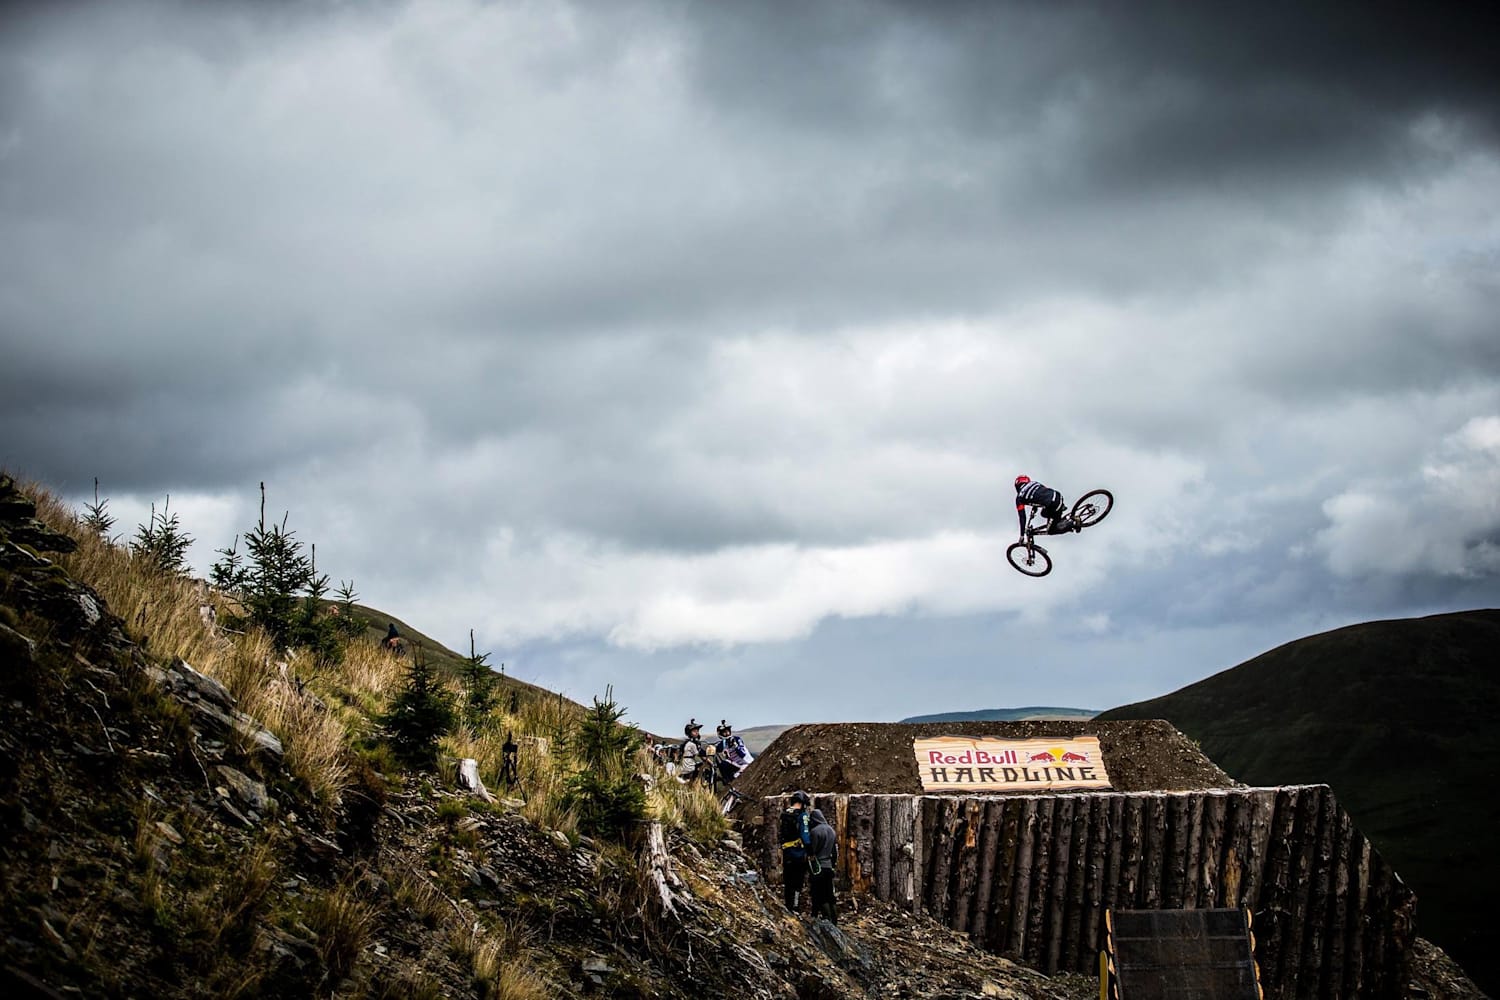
(1022, 481)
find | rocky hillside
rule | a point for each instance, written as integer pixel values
(160, 840)
(1397, 717)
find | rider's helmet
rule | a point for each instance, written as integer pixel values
(724, 729)
(1022, 481)
(692, 726)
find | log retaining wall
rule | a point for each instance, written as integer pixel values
(1030, 876)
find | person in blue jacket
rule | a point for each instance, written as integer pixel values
(796, 835)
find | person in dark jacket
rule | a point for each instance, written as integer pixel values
(1045, 499)
(822, 857)
(795, 836)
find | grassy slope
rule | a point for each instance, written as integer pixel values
(1397, 717)
(440, 656)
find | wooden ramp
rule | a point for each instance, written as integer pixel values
(1180, 955)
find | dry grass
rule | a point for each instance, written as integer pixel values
(691, 808)
(498, 961)
(163, 613)
(343, 921)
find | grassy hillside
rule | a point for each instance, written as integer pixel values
(447, 661)
(1396, 716)
(1027, 714)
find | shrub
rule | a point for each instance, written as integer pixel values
(419, 716)
(608, 799)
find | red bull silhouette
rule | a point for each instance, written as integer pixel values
(1043, 756)
(1078, 758)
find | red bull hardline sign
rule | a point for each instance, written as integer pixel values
(981, 764)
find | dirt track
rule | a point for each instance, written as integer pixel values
(1143, 755)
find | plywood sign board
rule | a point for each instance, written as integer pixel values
(981, 764)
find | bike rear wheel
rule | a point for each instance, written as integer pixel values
(1092, 507)
(1029, 559)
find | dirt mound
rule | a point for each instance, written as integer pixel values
(1140, 756)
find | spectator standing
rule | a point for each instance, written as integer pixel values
(822, 858)
(795, 837)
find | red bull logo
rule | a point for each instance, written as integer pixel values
(958, 763)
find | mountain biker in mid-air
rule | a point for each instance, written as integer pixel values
(1048, 501)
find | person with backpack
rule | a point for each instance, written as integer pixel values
(822, 857)
(796, 835)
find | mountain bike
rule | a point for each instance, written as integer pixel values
(1033, 560)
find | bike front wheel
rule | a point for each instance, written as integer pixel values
(1029, 559)
(1092, 507)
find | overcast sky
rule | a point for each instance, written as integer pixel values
(693, 348)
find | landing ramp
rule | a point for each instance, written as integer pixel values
(1180, 955)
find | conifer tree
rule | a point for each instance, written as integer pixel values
(161, 543)
(350, 623)
(271, 579)
(312, 628)
(610, 802)
(98, 518)
(419, 717)
(479, 685)
(230, 574)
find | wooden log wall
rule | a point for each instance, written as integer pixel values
(1030, 876)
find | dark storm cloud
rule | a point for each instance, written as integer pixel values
(710, 336)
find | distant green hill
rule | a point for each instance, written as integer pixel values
(1008, 714)
(1399, 718)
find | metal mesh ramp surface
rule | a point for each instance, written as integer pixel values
(1180, 954)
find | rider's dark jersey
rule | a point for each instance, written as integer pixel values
(1034, 494)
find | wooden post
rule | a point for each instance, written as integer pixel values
(1080, 872)
(1338, 907)
(1154, 844)
(883, 847)
(905, 851)
(1262, 812)
(1065, 809)
(1131, 891)
(1235, 854)
(1174, 853)
(1104, 857)
(950, 817)
(992, 825)
(1021, 896)
(1316, 916)
(1210, 887)
(968, 876)
(1041, 879)
(859, 840)
(1001, 900)
(1359, 894)
(770, 811)
(927, 835)
(1276, 893)
(1377, 972)
(1192, 884)
(1304, 844)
